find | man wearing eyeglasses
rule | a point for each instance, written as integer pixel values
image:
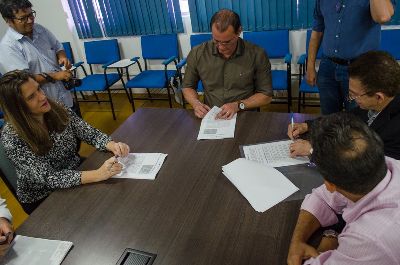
(29, 46)
(344, 29)
(375, 87)
(236, 75)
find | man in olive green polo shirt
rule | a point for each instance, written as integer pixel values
(236, 74)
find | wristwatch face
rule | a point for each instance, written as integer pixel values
(241, 106)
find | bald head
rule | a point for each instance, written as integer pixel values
(225, 18)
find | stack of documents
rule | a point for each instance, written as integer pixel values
(261, 185)
(274, 154)
(141, 165)
(36, 251)
(212, 128)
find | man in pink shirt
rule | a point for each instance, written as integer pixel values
(361, 185)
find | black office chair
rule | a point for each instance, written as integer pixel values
(7, 172)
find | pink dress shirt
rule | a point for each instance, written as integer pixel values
(372, 232)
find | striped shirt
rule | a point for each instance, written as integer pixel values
(372, 232)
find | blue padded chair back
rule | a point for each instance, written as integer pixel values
(319, 54)
(101, 52)
(274, 42)
(161, 46)
(68, 51)
(390, 40)
(198, 39)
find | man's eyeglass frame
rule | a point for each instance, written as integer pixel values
(352, 98)
(24, 19)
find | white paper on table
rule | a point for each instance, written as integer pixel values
(212, 128)
(36, 251)
(141, 165)
(261, 185)
(274, 154)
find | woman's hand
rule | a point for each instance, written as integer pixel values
(300, 148)
(110, 168)
(118, 149)
(296, 130)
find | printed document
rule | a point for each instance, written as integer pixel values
(212, 128)
(261, 185)
(141, 165)
(274, 154)
(36, 251)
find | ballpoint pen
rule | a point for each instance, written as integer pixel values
(292, 122)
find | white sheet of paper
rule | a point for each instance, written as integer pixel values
(211, 128)
(261, 185)
(141, 165)
(274, 154)
(36, 251)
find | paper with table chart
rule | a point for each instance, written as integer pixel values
(141, 165)
(36, 251)
(261, 185)
(212, 128)
(274, 154)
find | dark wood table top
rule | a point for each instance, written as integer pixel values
(190, 214)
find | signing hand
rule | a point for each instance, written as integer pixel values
(300, 148)
(6, 232)
(228, 110)
(328, 243)
(110, 168)
(118, 149)
(300, 251)
(296, 130)
(64, 61)
(200, 109)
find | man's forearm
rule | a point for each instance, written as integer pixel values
(61, 54)
(257, 100)
(381, 10)
(190, 95)
(313, 47)
(306, 225)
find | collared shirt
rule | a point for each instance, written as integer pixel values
(246, 72)
(372, 232)
(37, 55)
(349, 29)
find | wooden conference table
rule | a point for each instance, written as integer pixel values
(190, 214)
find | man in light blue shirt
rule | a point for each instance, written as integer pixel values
(344, 29)
(30, 46)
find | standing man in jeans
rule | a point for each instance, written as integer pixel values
(346, 29)
(30, 46)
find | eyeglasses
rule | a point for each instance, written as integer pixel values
(338, 6)
(24, 19)
(352, 98)
(224, 43)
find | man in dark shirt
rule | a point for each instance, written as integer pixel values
(236, 74)
(345, 30)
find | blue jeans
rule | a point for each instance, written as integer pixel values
(333, 84)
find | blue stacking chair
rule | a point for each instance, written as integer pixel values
(156, 47)
(276, 45)
(195, 40)
(105, 53)
(304, 87)
(390, 40)
(70, 56)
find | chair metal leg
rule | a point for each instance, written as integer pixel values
(132, 102)
(299, 102)
(82, 95)
(149, 94)
(97, 98)
(169, 96)
(111, 103)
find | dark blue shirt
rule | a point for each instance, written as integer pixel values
(349, 29)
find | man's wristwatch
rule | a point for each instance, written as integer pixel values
(330, 233)
(241, 105)
(48, 77)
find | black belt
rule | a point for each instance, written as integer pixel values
(340, 61)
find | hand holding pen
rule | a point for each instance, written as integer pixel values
(295, 129)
